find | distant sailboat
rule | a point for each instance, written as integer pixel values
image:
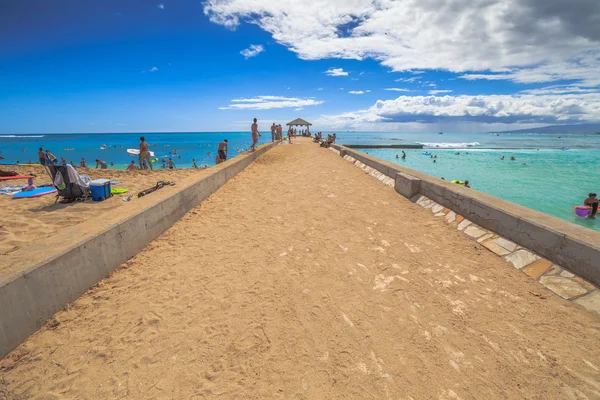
(440, 133)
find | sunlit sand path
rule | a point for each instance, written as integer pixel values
(303, 277)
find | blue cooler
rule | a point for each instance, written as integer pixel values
(100, 189)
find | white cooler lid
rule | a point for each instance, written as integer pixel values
(99, 182)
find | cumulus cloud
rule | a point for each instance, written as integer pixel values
(440, 91)
(161, 6)
(252, 51)
(153, 69)
(270, 102)
(487, 109)
(395, 89)
(356, 92)
(519, 40)
(336, 72)
(319, 89)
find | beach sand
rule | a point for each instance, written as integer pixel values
(303, 277)
(28, 220)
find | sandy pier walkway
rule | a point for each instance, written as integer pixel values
(305, 278)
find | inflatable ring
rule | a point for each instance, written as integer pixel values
(582, 211)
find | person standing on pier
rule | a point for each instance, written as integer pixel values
(255, 135)
(273, 132)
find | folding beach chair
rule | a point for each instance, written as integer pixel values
(70, 185)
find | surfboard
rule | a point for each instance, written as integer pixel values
(6, 178)
(34, 193)
(136, 152)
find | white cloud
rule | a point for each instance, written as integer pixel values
(368, 91)
(320, 88)
(270, 102)
(252, 51)
(336, 72)
(161, 6)
(299, 109)
(526, 40)
(484, 109)
(394, 89)
(356, 92)
(409, 80)
(440, 91)
(153, 69)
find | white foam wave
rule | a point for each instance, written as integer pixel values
(20, 136)
(445, 145)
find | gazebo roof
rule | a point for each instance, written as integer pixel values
(299, 121)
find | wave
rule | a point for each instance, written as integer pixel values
(445, 145)
(20, 136)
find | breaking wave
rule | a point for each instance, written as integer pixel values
(20, 136)
(445, 145)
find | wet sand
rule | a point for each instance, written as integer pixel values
(29, 220)
(305, 278)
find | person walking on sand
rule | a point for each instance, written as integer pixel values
(194, 163)
(255, 135)
(223, 150)
(131, 167)
(144, 153)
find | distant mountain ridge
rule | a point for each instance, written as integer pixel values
(565, 129)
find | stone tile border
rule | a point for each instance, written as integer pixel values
(559, 280)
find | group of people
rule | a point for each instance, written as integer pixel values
(276, 132)
(325, 142)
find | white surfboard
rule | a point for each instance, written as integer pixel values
(136, 152)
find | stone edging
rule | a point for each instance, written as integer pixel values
(559, 280)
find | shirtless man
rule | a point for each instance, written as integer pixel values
(101, 164)
(255, 135)
(144, 153)
(223, 150)
(273, 132)
(131, 167)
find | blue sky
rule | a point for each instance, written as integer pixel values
(144, 66)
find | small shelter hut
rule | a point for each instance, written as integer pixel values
(300, 122)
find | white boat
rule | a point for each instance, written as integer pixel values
(136, 152)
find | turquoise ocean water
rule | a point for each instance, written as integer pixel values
(544, 177)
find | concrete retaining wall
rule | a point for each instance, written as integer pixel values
(564, 243)
(31, 294)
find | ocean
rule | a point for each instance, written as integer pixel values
(550, 174)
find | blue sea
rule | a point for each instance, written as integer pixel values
(551, 174)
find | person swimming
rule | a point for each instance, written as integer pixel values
(512, 158)
(403, 155)
(592, 201)
(502, 158)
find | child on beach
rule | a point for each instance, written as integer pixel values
(171, 164)
(255, 135)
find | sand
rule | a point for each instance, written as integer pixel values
(28, 220)
(305, 278)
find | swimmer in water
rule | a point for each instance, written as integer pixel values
(592, 201)
(403, 155)
(502, 158)
(467, 184)
(397, 156)
(512, 158)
